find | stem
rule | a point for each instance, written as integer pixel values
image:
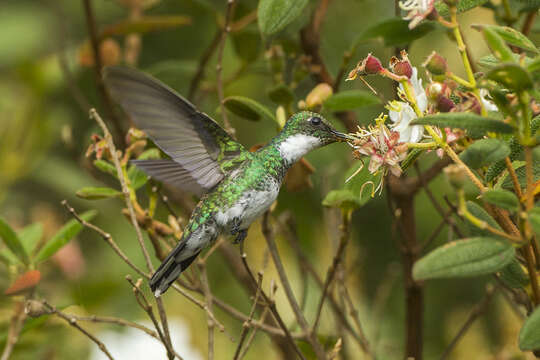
(465, 57)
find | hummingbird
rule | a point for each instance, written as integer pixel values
(235, 186)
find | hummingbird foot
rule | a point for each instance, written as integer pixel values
(242, 234)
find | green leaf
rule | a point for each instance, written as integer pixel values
(466, 121)
(463, 258)
(13, 242)
(96, 193)
(30, 236)
(529, 335)
(274, 15)
(106, 167)
(485, 151)
(501, 198)
(63, 236)
(137, 177)
(521, 175)
(247, 108)
(479, 212)
(411, 158)
(490, 61)
(511, 36)
(534, 66)
(350, 99)
(395, 31)
(513, 275)
(145, 24)
(497, 45)
(246, 45)
(511, 76)
(281, 94)
(463, 5)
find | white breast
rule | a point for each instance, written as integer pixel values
(296, 146)
(248, 208)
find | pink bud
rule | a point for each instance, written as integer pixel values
(444, 104)
(401, 67)
(371, 65)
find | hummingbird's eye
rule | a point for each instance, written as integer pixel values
(315, 120)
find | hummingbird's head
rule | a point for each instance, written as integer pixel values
(304, 132)
(314, 127)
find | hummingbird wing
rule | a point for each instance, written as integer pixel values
(201, 152)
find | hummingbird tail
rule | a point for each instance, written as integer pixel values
(169, 270)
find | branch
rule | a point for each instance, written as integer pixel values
(271, 304)
(478, 310)
(219, 67)
(73, 322)
(269, 237)
(98, 68)
(14, 330)
(343, 240)
(248, 323)
(203, 61)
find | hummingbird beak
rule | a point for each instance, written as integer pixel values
(341, 137)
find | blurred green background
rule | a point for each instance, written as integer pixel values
(44, 134)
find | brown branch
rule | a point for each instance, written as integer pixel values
(73, 322)
(271, 304)
(253, 333)
(209, 299)
(338, 258)
(477, 311)
(529, 22)
(247, 324)
(269, 237)
(203, 61)
(98, 68)
(219, 67)
(107, 237)
(127, 197)
(15, 326)
(414, 298)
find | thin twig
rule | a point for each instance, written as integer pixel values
(107, 237)
(477, 311)
(209, 299)
(127, 196)
(247, 324)
(267, 232)
(219, 67)
(203, 61)
(343, 240)
(14, 330)
(271, 305)
(73, 322)
(253, 333)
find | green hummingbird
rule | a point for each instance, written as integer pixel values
(235, 186)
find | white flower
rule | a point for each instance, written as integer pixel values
(488, 104)
(418, 10)
(401, 113)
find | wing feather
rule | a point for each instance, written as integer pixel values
(195, 143)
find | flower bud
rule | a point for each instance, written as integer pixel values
(456, 175)
(370, 65)
(401, 67)
(436, 64)
(435, 90)
(318, 95)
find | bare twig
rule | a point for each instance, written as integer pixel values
(247, 324)
(253, 333)
(219, 67)
(73, 322)
(271, 304)
(529, 22)
(209, 299)
(203, 61)
(14, 330)
(338, 258)
(267, 232)
(477, 311)
(107, 237)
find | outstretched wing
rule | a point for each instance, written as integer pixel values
(202, 153)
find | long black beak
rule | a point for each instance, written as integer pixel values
(340, 136)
